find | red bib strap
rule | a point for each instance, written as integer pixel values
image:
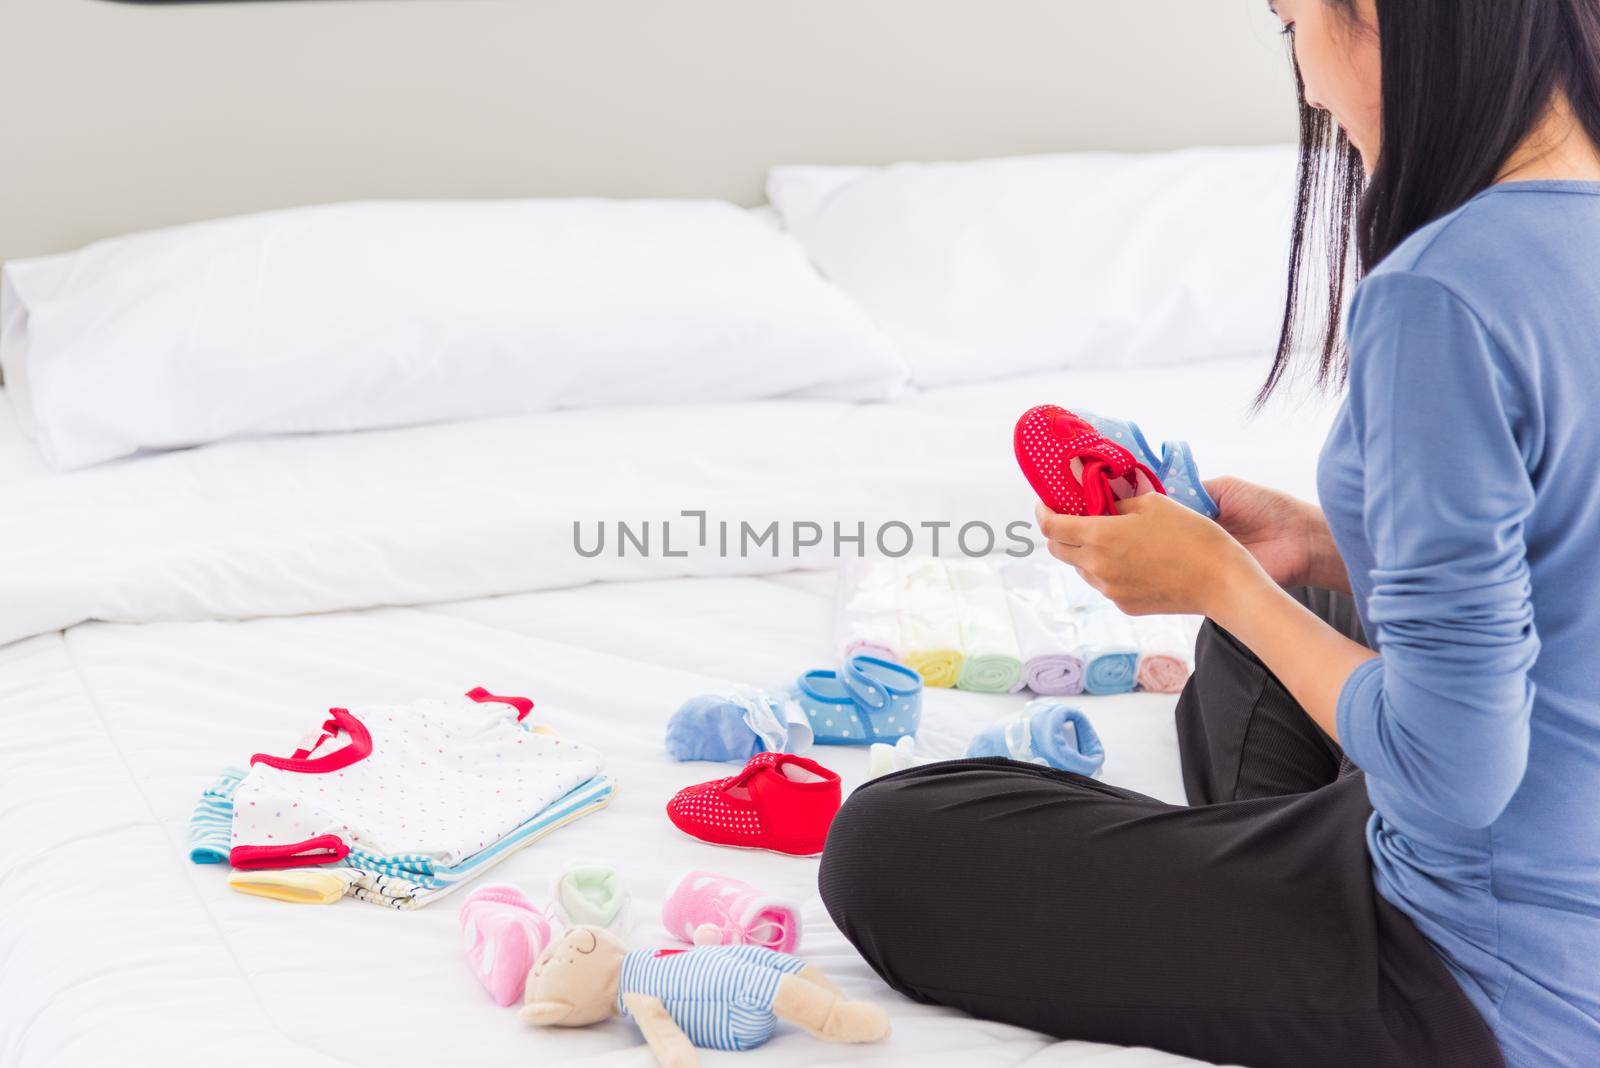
(522, 704)
(323, 849)
(359, 747)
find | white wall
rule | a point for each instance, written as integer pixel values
(116, 117)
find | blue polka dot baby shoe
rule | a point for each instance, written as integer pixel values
(1175, 466)
(868, 700)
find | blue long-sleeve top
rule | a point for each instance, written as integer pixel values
(1461, 481)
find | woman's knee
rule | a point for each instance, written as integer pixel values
(852, 867)
(888, 830)
(877, 829)
(872, 866)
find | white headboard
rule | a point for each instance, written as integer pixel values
(119, 117)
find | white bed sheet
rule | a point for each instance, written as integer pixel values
(114, 949)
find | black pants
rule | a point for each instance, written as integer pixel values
(1244, 929)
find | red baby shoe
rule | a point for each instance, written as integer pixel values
(780, 802)
(1072, 468)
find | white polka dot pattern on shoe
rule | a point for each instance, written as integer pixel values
(1052, 444)
(715, 812)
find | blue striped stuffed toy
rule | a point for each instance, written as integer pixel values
(716, 997)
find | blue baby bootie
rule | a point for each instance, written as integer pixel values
(869, 700)
(736, 726)
(1175, 467)
(1045, 732)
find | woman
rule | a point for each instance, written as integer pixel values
(1393, 854)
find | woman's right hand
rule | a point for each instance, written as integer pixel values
(1288, 537)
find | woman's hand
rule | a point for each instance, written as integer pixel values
(1288, 537)
(1154, 557)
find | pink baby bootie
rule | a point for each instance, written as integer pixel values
(713, 910)
(504, 934)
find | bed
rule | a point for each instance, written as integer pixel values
(231, 607)
(167, 615)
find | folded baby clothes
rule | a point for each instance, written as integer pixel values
(420, 787)
(211, 826)
(930, 622)
(993, 663)
(329, 884)
(409, 883)
(1045, 619)
(399, 805)
(867, 612)
(428, 871)
(1165, 649)
(296, 886)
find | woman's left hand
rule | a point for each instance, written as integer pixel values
(1154, 557)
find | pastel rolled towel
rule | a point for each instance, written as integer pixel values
(993, 662)
(930, 623)
(867, 614)
(1164, 652)
(1111, 651)
(1045, 619)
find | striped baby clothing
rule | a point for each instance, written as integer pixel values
(719, 996)
(426, 791)
(211, 826)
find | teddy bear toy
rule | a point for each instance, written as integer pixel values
(717, 997)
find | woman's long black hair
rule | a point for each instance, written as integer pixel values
(1464, 83)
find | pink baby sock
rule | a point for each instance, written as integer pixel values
(504, 934)
(709, 909)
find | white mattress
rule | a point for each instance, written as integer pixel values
(114, 949)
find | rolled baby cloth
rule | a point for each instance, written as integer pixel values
(989, 673)
(1111, 650)
(1045, 619)
(930, 622)
(938, 667)
(1110, 672)
(1053, 674)
(993, 662)
(867, 609)
(1159, 673)
(1164, 659)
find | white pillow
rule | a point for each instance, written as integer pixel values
(378, 314)
(1003, 267)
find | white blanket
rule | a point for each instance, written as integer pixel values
(114, 949)
(288, 526)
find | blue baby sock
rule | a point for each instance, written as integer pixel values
(1045, 732)
(736, 726)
